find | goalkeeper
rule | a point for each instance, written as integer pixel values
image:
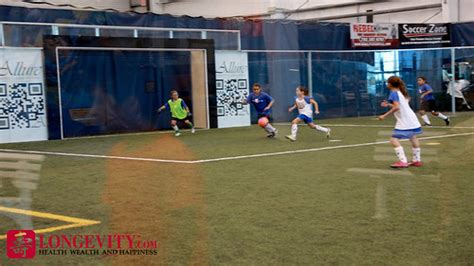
(179, 112)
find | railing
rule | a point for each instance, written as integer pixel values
(29, 34)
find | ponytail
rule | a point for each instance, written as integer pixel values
(398, 83)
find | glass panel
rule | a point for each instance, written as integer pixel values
(279, 74)
(116, 33)
(153, 34)
(74, 31)
(25, 35)
(224, 40)
(434, 65)
(464, 83)
(354, 83)
(186, 35)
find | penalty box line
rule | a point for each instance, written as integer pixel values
(72, 222)
(258, 155)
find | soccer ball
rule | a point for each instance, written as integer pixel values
(263, 122)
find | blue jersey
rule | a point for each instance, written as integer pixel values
(260, 102)
(425, 88)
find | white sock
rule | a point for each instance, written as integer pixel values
(269, 128)
(294, 130)
(400, 154)
(440, 115)
(175, 128)
(416, 154)
(320, 128)
(426, 119)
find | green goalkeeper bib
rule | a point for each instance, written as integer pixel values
(177, 110)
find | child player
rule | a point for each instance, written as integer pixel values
(407, 126)
(304, 104)
(179, 112)
(428, 102)
(263, 105)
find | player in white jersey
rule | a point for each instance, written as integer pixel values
(305, 104)
(407, 126)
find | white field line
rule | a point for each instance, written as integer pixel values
(379, 126)
(97, 156)
(227, 158)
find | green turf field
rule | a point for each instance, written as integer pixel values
(313, 201)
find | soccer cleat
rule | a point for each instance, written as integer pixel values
(427, 125)
(328, 134)
(415, 163)
(193, 130)
(447, 121)
(399, 164)
(177, 134)
(290, 137)
(273, 134)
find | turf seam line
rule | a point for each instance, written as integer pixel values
(227, 158)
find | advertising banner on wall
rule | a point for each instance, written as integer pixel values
(377, 35)
(232, 88)
(424, 34)
(22, 96)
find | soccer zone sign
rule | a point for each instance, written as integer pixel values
(424, 34)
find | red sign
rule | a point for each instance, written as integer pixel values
(374, 35)
(21, 244)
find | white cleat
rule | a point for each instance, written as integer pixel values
(193, 130)
(177, 134)
(328, 134)
(290, 137)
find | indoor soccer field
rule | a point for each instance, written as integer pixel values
(251, 132)
(233, 196)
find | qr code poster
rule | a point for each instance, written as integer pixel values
(232, 89)
(22, 96)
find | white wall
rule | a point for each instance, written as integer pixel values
(121, 5)
(451, 11)
(244, 8)
(466, 8)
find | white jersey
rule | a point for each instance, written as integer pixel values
(406, 118)
(304, 106)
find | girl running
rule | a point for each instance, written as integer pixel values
(263, 103)
(304, 104)
(407, 126)
(428, 102)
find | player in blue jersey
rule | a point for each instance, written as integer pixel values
(304, 103)
(263, 105)
(407, 126)
(428, 102)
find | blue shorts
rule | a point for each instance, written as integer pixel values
(406, 133)
(305, 119)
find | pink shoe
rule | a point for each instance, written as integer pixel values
(415, 164)
(399, 165)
